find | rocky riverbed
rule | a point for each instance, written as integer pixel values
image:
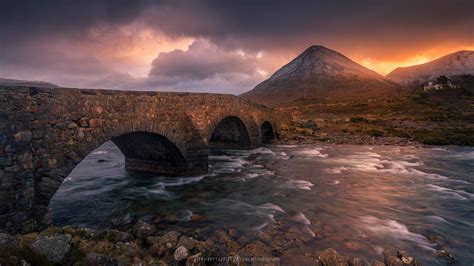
(149, 244)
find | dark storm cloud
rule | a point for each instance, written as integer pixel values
(36, 36)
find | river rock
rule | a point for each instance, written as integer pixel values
(356, 262)
(377, 263)
(299, 260)
(255, 249)
(53, 247)
(118, 236)
(195, 260)
(181, 253)
(164, 244)
(446, 256)
(196, 218)
(143, 229)
(187, 242)
(95, 259)
(7, 241)
(331, 257)
(407, 259)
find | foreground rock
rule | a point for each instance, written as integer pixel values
(147, 246)
(54, 247)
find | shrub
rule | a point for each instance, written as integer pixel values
(375, 133)
(358, 119)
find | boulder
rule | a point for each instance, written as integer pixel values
(164, 244)
(55, 247)
(407, 259)
(181, 253)
(7, 241)
(118, 236)
(446, 256)
(187, 242)
(143, 229)
(195, 260)
(331, 257)
(299, 260)
(356, 262)
(95, 259)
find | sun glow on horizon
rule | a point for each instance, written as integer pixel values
(384, 67)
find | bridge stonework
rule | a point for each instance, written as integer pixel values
(46, 132)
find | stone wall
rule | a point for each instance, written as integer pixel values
(46, 132)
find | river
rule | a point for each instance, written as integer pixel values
(356, 199)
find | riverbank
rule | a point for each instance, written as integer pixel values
(149, 244)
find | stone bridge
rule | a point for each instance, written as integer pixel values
(46, 132)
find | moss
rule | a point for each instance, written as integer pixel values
(14, 256)
(397, 133)
(358, 119)
(444, 136)
(375, 133)
(50, 231)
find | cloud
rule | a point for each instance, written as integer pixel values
(85, 42)
(203, 60)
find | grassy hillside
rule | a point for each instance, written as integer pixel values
(434, 117)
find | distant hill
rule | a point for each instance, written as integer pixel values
(321, 73)
(26, 83)
(455, 64)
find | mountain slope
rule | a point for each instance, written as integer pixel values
(26, 83)
(321, 73)
(457, 63)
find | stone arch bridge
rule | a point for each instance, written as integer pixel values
(46, 132)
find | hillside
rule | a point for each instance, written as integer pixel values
(26, 83)
(454, 64)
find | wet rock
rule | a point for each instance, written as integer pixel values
(119, 236)
(438, 240)
(187, 242)
(53, 247)
(377, 263)
(196, 218)
(163, 245)
(7, 241)
(391, 260)
(143, 229)
(353, 245)
(255, 249)
(205, 246)
(95, 259)
(356, 262)
(407, 259)
(299, 260)
(195, 260)
(180, 253)
(331, 257)
(446, 256)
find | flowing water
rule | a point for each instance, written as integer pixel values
(356, 199)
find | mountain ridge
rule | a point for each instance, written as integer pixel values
(319, 72)
(457, 63)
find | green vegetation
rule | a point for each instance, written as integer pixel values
(434, 117)
(445, 136)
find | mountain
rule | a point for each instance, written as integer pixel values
(458, 63)
(323, 74)
(26, 83)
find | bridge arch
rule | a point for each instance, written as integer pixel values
(230, 133)
(147, 146)
(267, 132)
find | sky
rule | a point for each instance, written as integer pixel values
(219, 46)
